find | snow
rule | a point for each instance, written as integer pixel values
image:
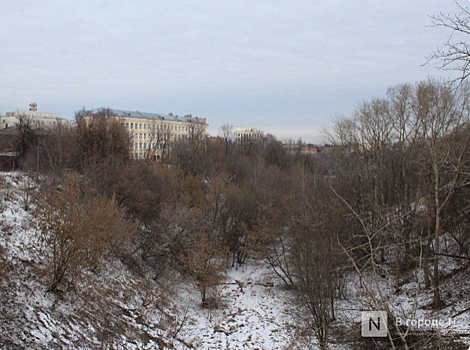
(412, 305)
(255, 314)
(118, 309)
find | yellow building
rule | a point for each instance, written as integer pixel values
(151, 134)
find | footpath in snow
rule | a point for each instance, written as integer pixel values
(257, 312)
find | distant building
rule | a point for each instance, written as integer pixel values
(39, 120)
(307, 148)
(151, 134)
(248, 135)
(216, 139)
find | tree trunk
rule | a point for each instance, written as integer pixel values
(437, 231)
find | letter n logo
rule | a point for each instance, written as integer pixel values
(374, 324)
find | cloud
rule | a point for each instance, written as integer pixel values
(218, 59)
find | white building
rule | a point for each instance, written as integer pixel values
(248, 135)
(40, 120)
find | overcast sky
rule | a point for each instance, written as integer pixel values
(286, 67)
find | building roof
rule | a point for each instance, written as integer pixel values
(239, 129)
(45, 115)
(155, 116)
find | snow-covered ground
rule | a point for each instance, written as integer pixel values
(257, 313)
(116, 308)
(412, 306)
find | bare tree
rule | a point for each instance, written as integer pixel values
(441, 112)
(226, 131)
(79, 226)
(455, 52)
(316, 262)
(276, 246)
(196, 136)
(26, 136)
(57, 148)
(159, 139)
(238, 218)
(198, 247)
(98, 136)
(204, 262)
(399, 153)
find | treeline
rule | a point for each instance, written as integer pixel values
(402, 177)
(393, 196)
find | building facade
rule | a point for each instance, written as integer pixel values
(248, 135)
(39, 120)
(151, 134)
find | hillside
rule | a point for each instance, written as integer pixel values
(118, 309)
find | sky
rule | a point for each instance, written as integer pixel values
(286, 67)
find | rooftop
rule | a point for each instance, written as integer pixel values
(155, 116)
(46, 115)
